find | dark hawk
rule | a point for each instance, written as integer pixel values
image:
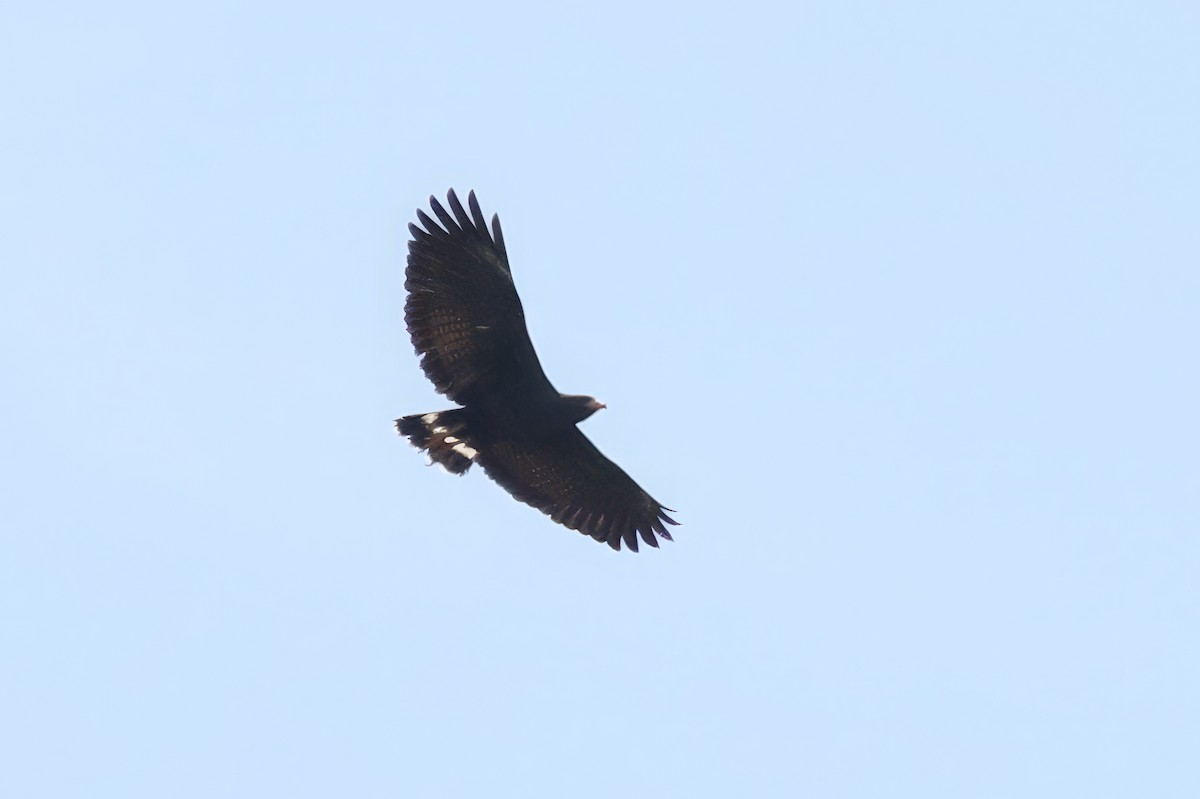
(467, 324)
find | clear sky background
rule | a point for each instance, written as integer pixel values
(897, 304)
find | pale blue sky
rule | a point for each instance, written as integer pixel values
(896, 304)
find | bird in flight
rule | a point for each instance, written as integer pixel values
(468, 326)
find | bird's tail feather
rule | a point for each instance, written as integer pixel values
(443, 435)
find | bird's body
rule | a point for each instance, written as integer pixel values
(467, 323)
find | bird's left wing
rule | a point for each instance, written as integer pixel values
(567, 478)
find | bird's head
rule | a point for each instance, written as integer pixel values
(581, 407)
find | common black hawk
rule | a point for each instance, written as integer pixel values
(468, 326)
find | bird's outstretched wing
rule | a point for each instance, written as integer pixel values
(568, 479)
(463, 312)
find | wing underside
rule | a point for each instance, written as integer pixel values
(566, 477)
(463, 312)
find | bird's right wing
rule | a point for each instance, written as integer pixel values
(572, 482)
(463, 312)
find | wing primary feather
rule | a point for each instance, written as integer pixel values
(498, 236)
(443, 214)
(619, 521)
(431, 227)
(649, 538)
(460, 213)
(477, 213)
(631, 541)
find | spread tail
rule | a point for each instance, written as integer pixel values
(443, 435)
